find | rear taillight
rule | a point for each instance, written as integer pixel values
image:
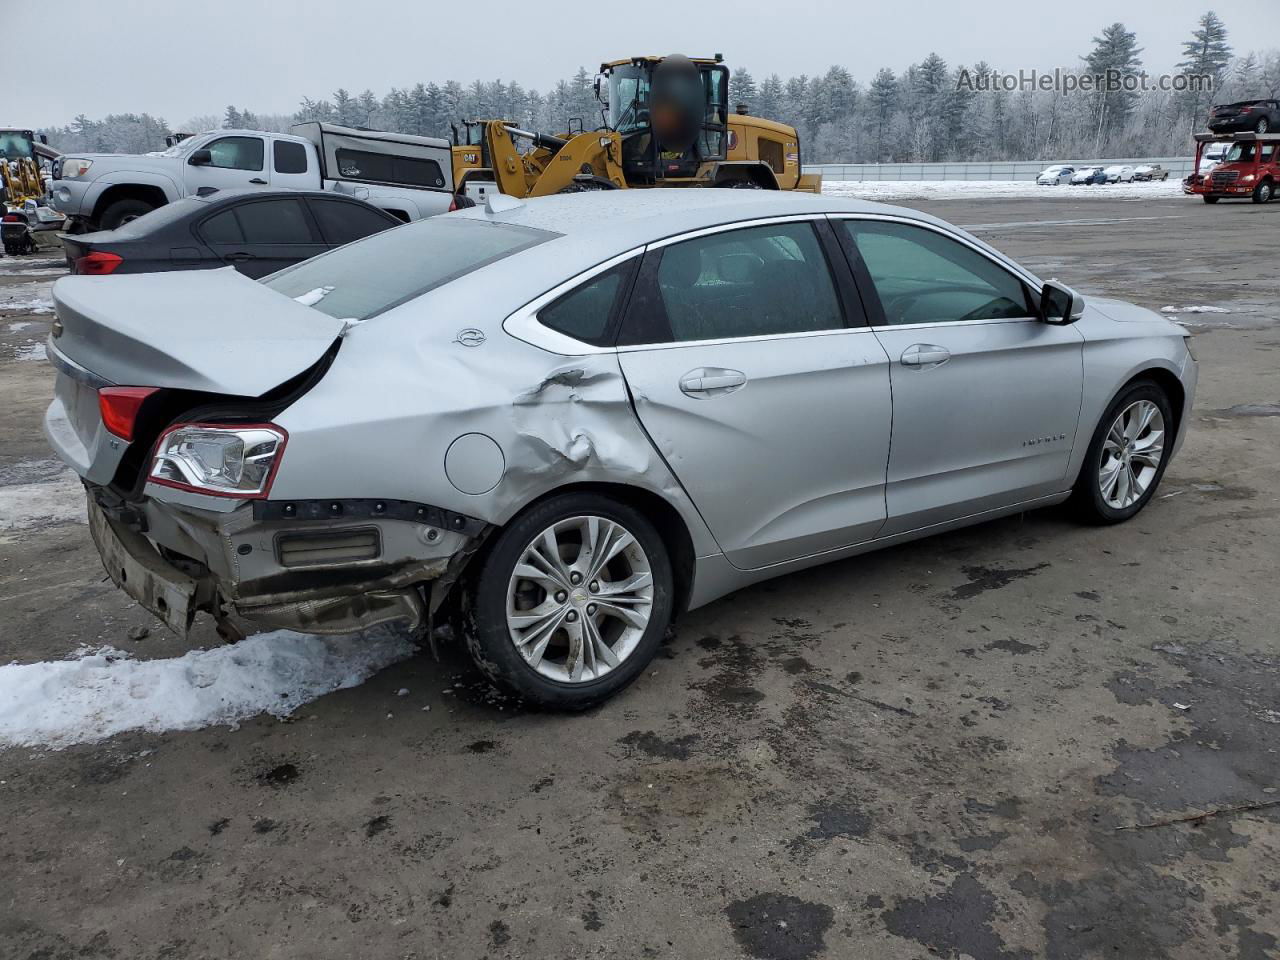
(119, 407)
(453, 204)
(96, 264)
(10, 218)
(222, 460)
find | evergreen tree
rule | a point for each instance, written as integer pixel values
(742, 89)
(1115, 54)
(1206, 55)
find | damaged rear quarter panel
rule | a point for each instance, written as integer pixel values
(402, 389)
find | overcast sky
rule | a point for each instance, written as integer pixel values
(177, 58)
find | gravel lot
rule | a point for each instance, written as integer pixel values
(930, 751)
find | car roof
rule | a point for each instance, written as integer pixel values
(624, 219)
(239, 193)
(587, 229)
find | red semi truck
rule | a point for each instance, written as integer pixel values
(1251, 168)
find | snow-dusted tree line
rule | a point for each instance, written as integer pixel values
(930, 111)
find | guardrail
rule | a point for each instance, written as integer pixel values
(1178, 167)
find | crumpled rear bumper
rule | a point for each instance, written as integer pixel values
(177, 561)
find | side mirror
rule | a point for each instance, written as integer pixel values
(1060, 304)
(200, 158)
(44, 138)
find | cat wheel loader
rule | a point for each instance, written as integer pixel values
(24, 208)
(667, 124)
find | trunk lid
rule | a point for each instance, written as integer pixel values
(202, 332)
(214, 331)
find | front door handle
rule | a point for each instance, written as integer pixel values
(711, 381)
(239, 257)
(925, 355)
(258, 181)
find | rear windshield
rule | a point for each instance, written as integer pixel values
(372, 275)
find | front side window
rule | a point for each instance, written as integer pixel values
(758, 281)
(236, 153)
(382, 168)
(392, 267)
(343, 222)
(922, 276)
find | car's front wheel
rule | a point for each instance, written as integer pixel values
(571, 601)
(1126, 456)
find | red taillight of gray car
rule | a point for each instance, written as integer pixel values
(96, 264)
(119, 408)
(218, 459)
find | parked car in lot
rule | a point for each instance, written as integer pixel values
(410, 177)
(1052, 176)
(576, 417)
(1150, 171)
(1256, 116)
(257, 232)
(1119, 173)
(1088, 176)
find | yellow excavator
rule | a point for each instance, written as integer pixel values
(667, 124)
(24, 210)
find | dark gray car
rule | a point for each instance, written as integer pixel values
(256, 231)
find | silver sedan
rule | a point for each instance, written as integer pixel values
(560, 423)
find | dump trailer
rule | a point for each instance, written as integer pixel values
(667, 124)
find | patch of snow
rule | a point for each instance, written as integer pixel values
(27, 297)
(24, 506)
(33, 350)
(312, 297)
(33, 305)
(21, 325)
(977, 189)
(97, 694)
(1194, 309)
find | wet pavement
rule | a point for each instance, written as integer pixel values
(998, 743)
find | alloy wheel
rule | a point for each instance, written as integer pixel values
(1131, 454)
(579, 599)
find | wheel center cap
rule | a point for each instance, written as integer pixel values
(578, 597)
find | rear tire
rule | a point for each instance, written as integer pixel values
(1262, 126)
(1127, 456)
(569, 632)
(122, 211)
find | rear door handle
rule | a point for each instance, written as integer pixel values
(925, 355)
(239, 257)
(259, 181)
(711, 381)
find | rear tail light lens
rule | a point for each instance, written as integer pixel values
(96, 264)
(119, 407)
(10, 218)
(222, 460)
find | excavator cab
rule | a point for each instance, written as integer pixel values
(671, 113)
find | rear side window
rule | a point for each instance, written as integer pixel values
(378, 167)
(274, 221)
(758, 281)
(390, 268)
(586, 313)
(342, 222)
(222, 228)
(288, 157)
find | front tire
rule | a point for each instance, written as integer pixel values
(1212, 199)
(571, 601)
(1263, 192)
(1262, 126)
(1127, 455)
(122, 211)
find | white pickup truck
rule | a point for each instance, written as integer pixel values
(409, 177)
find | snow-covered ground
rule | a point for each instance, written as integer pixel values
(96, 694)
(25, 506)
(33, 297)
(979, 189)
